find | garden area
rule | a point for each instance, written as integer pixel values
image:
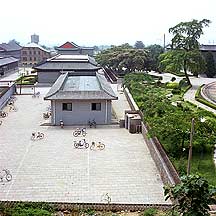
(169, 118)
(27, 80)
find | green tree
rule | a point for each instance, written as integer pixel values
(154, 52)
(210, 65)
(191, 196)
(185, 48)
(139, 45)
(123, 57)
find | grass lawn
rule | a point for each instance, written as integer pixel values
(27, 80)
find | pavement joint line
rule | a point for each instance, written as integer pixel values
(18, 169)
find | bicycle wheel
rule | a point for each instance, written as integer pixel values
(86, 145)
(0, 122)
(8, 177)
(15, 109)
(84, 133)
(101, 146)
(4, 114)
(75, 133)
(41, 135)
(33, 138)
(76, 145)
(92, 147)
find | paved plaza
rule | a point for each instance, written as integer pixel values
(51, 169)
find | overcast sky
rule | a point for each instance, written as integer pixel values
(97, 22)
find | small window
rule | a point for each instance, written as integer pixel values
(67, 106)
(96, 106)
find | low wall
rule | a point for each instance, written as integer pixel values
(130, 100)
(167, 171)
(4, 98)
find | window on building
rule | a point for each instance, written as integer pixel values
(30, 52)
(34, 52)
(35, 59)
(96, 106)
(30, 58)
(24, 52)
(24, 58)
(38, 52)
(67, 106)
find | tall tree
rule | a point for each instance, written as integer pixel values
(186, 46)
(210, 65)
(154, 52)
(139, 45)
(123, 57)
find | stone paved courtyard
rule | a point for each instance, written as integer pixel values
(53, 170)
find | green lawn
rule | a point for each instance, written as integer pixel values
(27, 80)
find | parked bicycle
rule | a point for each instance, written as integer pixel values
(5, 174)
(106, 198)
(0, 122)
(79, 131)
(92, 123)
(12, 108)
(46, 115)
(81, 144)
(3, 114)
(37, 136)
(37, 94)
(97, 146)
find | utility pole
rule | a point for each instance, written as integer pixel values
(164, 41)
(190, 147)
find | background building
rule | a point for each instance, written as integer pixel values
(51, 69)
(70, 48)
(33, 53)
(35, 38)
(10, 49)
(8, 64)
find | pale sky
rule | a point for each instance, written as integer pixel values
(97, 22)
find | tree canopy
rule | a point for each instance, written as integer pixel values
(123, 58)
(185, 48)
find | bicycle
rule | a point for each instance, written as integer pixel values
(37, 136)
(12, 108)
(97, 146)
(6, 174)
(37, 94)
(92, 123)
(106, 198)
(0, 122)
(46, 115)
(81, 143)
(3, 114)
(79, 131)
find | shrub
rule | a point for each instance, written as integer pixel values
(176, 91)
(150, 212)
(172, 85)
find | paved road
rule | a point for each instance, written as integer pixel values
(190, 94)
(53, 170)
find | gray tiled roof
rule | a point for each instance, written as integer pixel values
(11, 46)
(70, 66)
(7, 60)
(69, 63)
(58, 92)
(208, 47)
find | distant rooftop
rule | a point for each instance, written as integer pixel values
(34, 45)
(7, 60)
(70, 46)
(208, 47)
(69, 63)
(11, 46)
